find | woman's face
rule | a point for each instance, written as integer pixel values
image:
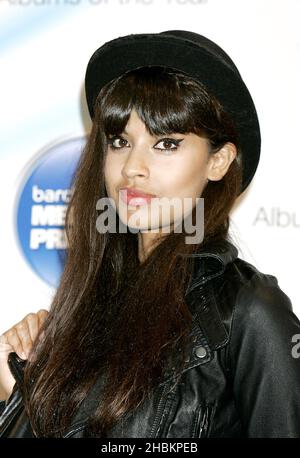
(155, 165)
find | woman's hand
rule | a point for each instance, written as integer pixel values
(18, 339)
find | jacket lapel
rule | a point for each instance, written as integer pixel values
(211, 262)
(208, 332)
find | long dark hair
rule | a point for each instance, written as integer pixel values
(112, 315)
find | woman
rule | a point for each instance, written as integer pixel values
(150, 335)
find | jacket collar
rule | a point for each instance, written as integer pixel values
(208, 332)
(211, 261)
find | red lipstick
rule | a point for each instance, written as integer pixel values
(134, 196)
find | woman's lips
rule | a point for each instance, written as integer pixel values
(131, 198)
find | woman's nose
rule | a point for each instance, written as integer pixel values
(136, 163)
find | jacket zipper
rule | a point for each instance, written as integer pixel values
(159, 413)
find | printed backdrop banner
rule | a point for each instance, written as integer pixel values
(44, 49)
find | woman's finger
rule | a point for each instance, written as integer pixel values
(42, 315)
(3, 339)
(14, 341)
(32, 322)
(7, 380)
(23, 332)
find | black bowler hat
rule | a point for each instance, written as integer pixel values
(198, 57)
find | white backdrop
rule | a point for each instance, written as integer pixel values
(44, 49)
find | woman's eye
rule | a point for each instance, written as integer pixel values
(167, 142)
(113, 142)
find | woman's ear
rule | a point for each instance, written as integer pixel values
(220, 161)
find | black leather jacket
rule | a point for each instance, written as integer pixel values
(242, 376)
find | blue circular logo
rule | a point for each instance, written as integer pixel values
(41, 208)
